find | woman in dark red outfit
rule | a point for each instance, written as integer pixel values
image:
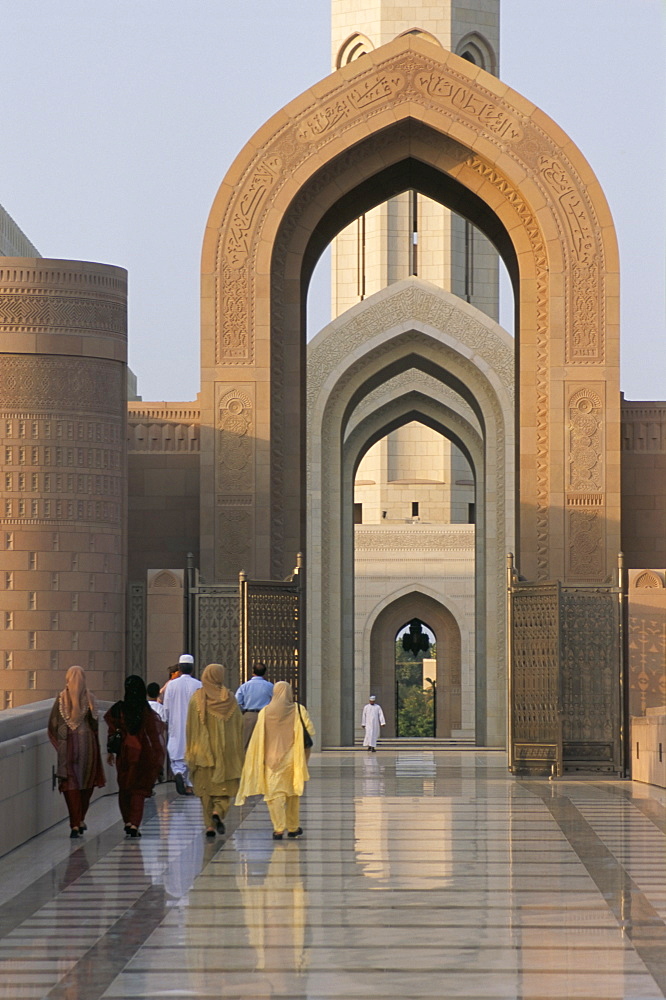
(73, 732)
(136, 740)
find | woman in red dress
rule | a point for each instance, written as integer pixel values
(136, 741)
(73, 731)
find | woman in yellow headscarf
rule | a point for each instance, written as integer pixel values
(276, 762)
(214, 746)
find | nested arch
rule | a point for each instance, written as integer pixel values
(394, 612)
(408, 112)
(408, 340)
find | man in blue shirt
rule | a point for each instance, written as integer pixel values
(252, 696)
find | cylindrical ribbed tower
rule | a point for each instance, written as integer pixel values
(63, 403)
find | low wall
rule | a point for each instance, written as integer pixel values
(648, 747)
(29, 798)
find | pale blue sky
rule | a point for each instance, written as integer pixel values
(120, 118)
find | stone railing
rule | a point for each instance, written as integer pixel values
(29, 798)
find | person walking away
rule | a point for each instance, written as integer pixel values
(176, 702)
(136, 742)
(371, 720)
(276, 762)
(173, 673)
(73, 731)
(153, 692)
(252, 696)
(214, 746)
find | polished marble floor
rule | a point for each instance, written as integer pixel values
(420, 875)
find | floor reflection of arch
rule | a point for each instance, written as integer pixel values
(389, 339)
(383, 631)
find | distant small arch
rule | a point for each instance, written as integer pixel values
(165, 580)
(476, 49)
(648, 581)
(420, 33)
(355, 46)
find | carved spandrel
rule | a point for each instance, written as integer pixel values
(361, 97)
(439, 86)
(247, 207)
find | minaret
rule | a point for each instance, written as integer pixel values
(411, 234)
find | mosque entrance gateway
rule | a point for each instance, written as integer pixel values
(408, 116)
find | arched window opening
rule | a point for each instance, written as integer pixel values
(476, 49)
(415, 681)
(354, 47)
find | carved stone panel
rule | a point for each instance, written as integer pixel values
(234, 458)
(585, 513)
(234, 478)
(136, 629)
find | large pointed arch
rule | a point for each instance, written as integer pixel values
(410, 115)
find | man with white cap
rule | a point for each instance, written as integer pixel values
(176, 702)
(371, 720)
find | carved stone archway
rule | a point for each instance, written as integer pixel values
(409, 115)
(398, 610)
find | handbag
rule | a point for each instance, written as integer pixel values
(114, 742)
(307, 739)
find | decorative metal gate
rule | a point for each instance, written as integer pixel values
(213, 620)
(254, 620)
(565, 677)
(272, 628)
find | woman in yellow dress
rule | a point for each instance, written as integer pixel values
(276, 762)
(214, 746)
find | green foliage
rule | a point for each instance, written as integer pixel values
(415, 706)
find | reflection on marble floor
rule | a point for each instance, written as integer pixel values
(420, 875)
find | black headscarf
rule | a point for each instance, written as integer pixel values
(134, 703)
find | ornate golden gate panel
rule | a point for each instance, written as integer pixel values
(272, 629)
(565, 678)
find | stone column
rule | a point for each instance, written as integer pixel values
(63, 402)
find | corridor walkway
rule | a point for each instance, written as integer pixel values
(421, 874)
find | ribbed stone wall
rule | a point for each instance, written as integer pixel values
(63, 353)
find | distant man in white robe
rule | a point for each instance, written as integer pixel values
(372, 720)
(176, 702)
